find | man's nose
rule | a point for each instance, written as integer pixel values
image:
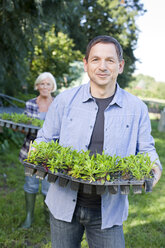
(102, 65)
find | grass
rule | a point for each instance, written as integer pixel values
(12, 207)
(144, 228)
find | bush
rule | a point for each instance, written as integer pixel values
(9, 137)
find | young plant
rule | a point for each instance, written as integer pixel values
(81, 165)
(21, 118)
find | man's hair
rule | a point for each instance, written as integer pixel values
(105, 39)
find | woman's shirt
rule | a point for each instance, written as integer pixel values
(32, 110)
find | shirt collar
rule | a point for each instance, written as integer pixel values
(117, 98)
(87, 95)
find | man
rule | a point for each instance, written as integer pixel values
(96, 116)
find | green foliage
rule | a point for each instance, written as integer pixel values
(16, 38)
(104, 17)
(19, 21)
(54, 53)
(147, 87)
(4, 146)
(24, 97)
(26, 37)
(151, 92)
(21, 118)
(7, 137)
(91, 168)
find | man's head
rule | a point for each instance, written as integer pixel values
(103, 63)
(105, 39)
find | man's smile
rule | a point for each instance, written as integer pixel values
(102, 74)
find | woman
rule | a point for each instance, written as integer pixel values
(36, 108)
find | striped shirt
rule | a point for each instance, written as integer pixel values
(32, 111)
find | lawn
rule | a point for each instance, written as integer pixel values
(145, 227)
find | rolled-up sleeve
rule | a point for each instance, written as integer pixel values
(145, 142)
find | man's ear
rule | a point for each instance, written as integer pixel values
(85, 64)
(121, 66)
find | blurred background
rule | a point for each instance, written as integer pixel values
(51, 35)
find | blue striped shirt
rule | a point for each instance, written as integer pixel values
(71, 118)
(32, 109)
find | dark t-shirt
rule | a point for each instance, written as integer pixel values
(96, 146)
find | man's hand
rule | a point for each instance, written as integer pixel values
(157, 174)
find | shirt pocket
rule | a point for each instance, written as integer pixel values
(76, 127)
(122, 132)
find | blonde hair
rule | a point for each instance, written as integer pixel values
(44, 76)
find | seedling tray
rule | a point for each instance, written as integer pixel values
(25, 128)
(113, 186)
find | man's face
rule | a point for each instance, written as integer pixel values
(103, 65)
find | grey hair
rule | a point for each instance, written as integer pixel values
(44, 76)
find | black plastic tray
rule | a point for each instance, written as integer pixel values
(113, 186)
(19, 126)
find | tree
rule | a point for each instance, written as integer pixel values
(18, 22)
(104, 17)
(81, 20)
(54, 53)
(147, 87)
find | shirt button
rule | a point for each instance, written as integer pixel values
(74, 200)
(95, 108)
(91, 127)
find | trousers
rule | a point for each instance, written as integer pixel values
(88, 220)
(32, 185)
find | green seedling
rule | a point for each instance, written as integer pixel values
(21, 118)
(81, 165)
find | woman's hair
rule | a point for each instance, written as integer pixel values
(105, 39)
(44, 76)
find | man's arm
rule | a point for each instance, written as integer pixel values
(146, 144)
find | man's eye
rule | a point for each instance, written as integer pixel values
(95, 59)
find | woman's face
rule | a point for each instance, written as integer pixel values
(45, 87)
